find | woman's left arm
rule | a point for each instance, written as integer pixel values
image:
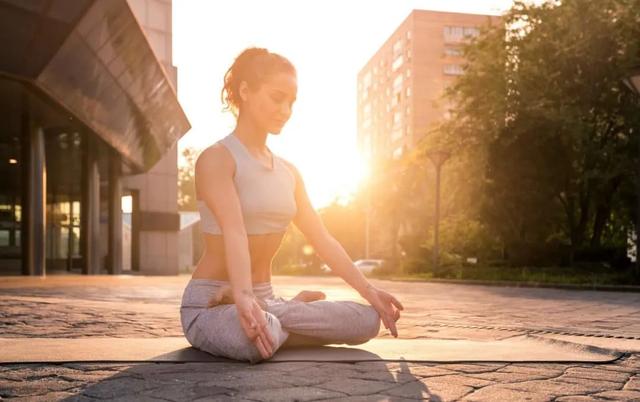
(333, 254)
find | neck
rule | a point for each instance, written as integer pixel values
(254, 138)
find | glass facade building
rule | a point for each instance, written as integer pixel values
(87, 109)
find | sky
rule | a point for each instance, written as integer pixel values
(328, 41)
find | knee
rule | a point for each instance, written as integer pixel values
(366, 326)
(370, 322)
(244, 349)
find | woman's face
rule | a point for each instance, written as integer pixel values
(270, 105)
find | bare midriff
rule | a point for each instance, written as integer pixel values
(262, 249)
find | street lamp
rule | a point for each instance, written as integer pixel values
(633, 82)
(438, 158)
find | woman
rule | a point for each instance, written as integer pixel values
(247, 196)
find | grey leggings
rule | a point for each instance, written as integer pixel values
(217, 330)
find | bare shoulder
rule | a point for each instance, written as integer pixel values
(214, 158)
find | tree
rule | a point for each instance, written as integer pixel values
(548, 131)
(186, 181)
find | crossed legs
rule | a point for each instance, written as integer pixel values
(291, 323)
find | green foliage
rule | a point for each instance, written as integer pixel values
(186, 181)
(544, 133)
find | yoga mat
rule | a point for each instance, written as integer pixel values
(524, 348)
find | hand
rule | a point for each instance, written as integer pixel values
(387, 306)
(254, 323)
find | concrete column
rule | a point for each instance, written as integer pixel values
(34, 184)
(115, 215)
(90, 215)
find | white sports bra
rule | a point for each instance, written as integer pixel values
(266, 194)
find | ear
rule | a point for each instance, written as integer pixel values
(243, 89)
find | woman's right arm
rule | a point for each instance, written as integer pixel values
(214, 170)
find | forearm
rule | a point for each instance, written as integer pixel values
(238, 262)
(334, 255)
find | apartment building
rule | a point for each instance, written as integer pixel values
(400, 87)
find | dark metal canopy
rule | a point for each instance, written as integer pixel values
(93, 58)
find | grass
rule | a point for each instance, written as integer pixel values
(577, 275)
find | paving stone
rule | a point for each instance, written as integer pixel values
(372, 398)
(52, 396)
(533, 369)
(40, 386)
(467, 368)
(600, 385)
(183, 392)
(392, 377)
(352, 386)
(596, 374)
(577, 398)
(556, 388)
(633, 384)
(146, 307)
(458, 380)
(246, 381)
(502, 377)
(624, 395)
(499, 393)
(114, 388)
(425, 389)
(430, 371)
(291, 394)
(282, 366)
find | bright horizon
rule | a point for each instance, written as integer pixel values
(328, 49)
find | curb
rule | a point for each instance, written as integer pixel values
(610, 288)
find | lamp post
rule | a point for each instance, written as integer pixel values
(633, 82)
(438, 157)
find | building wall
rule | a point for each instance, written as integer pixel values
(158, 188)
(400, 87)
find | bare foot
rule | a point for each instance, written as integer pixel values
(309, 296)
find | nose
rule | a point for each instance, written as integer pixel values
(285, 111)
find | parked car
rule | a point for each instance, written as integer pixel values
(365, 266)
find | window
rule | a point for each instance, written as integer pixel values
(397, 153)
(452, 51)
(397, 47)
(367, 79)
(456, 34)
(396, 98)
(453, 34)
(396, 134)
(471, 31)
(408, 72)
(453, 69)
(397, 82)
(397, 117)
(366, 110)
(408, 94)
(397, 63)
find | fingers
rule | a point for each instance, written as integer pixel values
(390, 324)
(396, 302)
(396, 314)
(264, 350)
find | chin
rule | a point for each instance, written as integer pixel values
(275, 130)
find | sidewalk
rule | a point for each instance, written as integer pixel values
(138, 307)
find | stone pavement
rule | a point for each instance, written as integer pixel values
(131, 306)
